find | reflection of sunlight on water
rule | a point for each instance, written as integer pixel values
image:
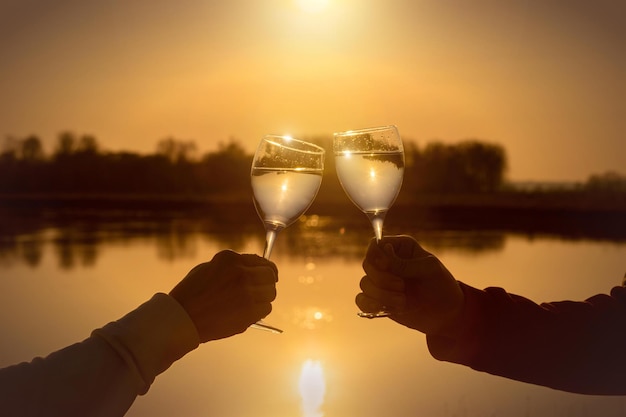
(309, 279)
(313, 220)
(311, 318)
(312, 388)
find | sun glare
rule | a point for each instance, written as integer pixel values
(312, 387)
(313, 6)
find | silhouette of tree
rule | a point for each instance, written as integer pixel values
(8, 164)
(330, 191)
(31, 149)
(483, 165)
(66, 144)
(467, 167)
(607, 182)
(176, 150)
(21, 164)
(228, 169)
(10, 147)
(78, 165)
(87, 144)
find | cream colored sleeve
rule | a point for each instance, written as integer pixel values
(102, 375)
(150, 338)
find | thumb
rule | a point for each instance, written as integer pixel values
(425, 265)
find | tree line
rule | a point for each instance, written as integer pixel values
(78, 164)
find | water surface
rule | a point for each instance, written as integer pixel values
(60, 279)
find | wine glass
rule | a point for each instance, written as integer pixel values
(286, 175)
(370, 167)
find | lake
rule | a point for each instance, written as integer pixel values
(63, 275)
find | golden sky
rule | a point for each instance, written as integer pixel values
(544, 78)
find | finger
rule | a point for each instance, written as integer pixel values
(262, 293)
(424, 265)
(253, 314)
(401, 246)
(225, 254)
(249, 259)
(381, 254)
(376, 256)
(261, 311)
(391, 299)
(197, 267)
(367, 304)
(229, 257)
(259, 275)
(382, 279)
(405, 247)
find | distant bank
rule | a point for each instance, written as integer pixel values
(569, 214)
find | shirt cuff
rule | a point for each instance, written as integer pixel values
(152, 337)
(462, 346)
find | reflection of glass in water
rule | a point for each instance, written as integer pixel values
(312, 387)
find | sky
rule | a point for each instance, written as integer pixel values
(543, 78)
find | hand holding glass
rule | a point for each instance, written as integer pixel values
(370, 167)
(286, 176)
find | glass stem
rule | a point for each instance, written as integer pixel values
(377, 218)
(270, 236)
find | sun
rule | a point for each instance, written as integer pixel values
(313, 6)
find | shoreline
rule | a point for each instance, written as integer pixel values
(536, 201)
(572, 216)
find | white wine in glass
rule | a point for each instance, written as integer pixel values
(286, 176)
(370, 168)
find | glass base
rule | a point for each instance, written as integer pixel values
(373, 315)
(260, 325)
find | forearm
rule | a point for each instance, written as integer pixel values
(84, 379)
(102, 375)
(571, 346)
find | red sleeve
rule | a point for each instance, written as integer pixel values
(576, 346)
